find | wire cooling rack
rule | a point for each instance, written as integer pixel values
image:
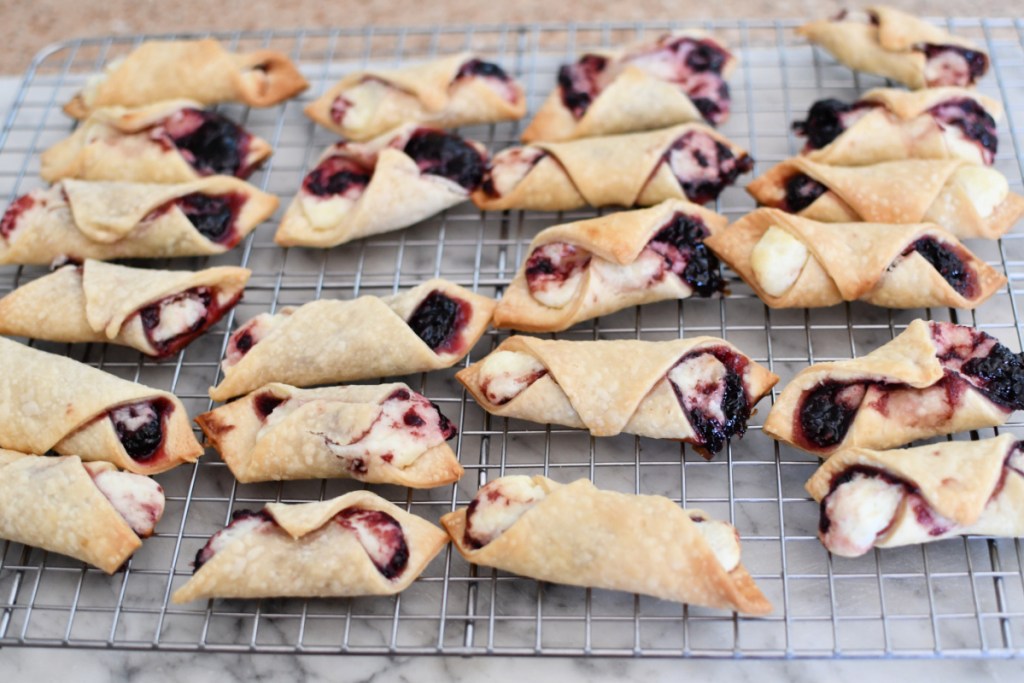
(954, 598)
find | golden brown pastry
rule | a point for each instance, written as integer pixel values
(934, 378)
(86, 510)
(75, 220)
(888, 124)
(429, 327)
(167, 142)
(380, 434)
(885, 499)
(885, 41)
(678, 78)
(689, 161)
(579, 535)
(357, 544)
(793, 262)
(964, 199)
(589, 268)
(200, 70)
(53, 402)
(158, 312)
(457, 90)
(396, 180)
(701, 390)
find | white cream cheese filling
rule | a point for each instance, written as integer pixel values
(859, 510)
(777, 260)
(138, 499)
(499, 504)
(506, 374)
(986, 188)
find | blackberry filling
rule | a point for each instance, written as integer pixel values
(827, 119)
(827, 411)
(682, 240)
(715, 422)
(382, 537)
(976, 64)
(704, 166)
(949, 264)
(1002, 374)
(211, 143)
(801, 192)
(337, 176)
(439, 320)
(578, 83)
(974, 122)
(446, 155)
(174, 321)
(265, 404)
(139, 427)
(478, 67)
(704, 56)
(10, 220)
(710, 95)
(213, 215)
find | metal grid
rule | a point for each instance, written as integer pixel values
(954, 598)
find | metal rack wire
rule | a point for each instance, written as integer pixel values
(955, 598)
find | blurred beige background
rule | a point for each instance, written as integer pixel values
(26, 26)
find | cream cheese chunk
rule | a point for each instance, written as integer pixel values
(777, 260)
(138, 499)
(700, 382)
(721, 537)
(506, 374)
(859, 510)
(499, 504)
(986, 187)
(178, 316)
(509, 167)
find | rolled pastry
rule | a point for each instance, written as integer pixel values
(76, 220)
(429, 327)
(380, 434)
(893, 44)
(889, 124)
(701, 390)
(457, 90)
(689, 161)
(200, 70)
(579, 535)
(678, 78)
(934, 378)
(885, 499)
(360, 189)
(793, 262)
(965, 200)
(583, 270)
(158, 312)
(167, 142)
(357, 544)
(53, 402)
(88, 511)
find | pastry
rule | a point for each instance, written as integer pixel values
(934, 378)
(893, 44)
(429, 327)
(885, 499)
(360, 189)
(887, 124)
(701, 390)
(964, 199)
(53, 402)
(689, 161)
(167, 142)
(200, 70)
(579, 535)
(457, 90)
(158, 312)
(380, 434)
(678, 78)
(793, 262)
(75, 220)
(86, 510)
(582, 270)
(357, 544)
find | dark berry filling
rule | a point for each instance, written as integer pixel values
(974, 122)
(382, 537)
(204, 554)
(1002, 376)
(152, 315)
(704, 166)
(681, 243)
(447, 155)
(211, 143)
(734, 404)
(950, 265)
(802, 191)
(414, 418)
(827, 411)
(213, 216)
(140, 427)
(710, 94)
(478, 67)
(578, 83)
(337, 175)
(439, 321)
(957, 66)
(703, 55)
(550, 265)
(265, 404)
(9, 222)
(827, 119)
